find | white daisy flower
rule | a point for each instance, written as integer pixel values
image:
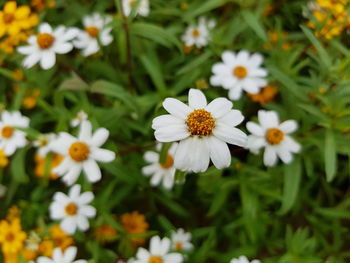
(43, 143)
(3, 190)
(161, 172)
(202, 129)
(198, 35)
(274, 136)
(158, 252)
(59, 256)
(72, 209)
(11, 138)
(243, 259)
(181, 240)
(141, 7)
(239, 72)
(81, 153)
(44, 46)
(96, 31)
(79, 118)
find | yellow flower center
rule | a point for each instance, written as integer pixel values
(132, 3)
(178, 246)
(240, 72)
(195, 33)
(92, 31)
(7, 131)
(200, 122)
(71, 209)
(168, 162)
(79, 151)
(45, 40)
(155, 259)
(8, 18)
(274, 136)
(10, 237)
(43, 141)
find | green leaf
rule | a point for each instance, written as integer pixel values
(73, 83)
(17, 166)
(253, 21)
(195, 63)
(330, 155)
(154, 70)
(292, 177)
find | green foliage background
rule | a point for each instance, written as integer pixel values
(297, 213)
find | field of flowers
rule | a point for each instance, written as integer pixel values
(179, 131)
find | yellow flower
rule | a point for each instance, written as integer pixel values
(134, 223)
(11, 258)
(13, 213)
(18, 75)
(277, 39)
(29, 102)
(41, 165)
(266, 94)
(10, 42)
(40, 5)
(60, 238)
(105, 233)
(46, 248)
(11, 236)
(14, 19)
(4, 161)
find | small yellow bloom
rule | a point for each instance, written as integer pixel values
(266, 94)
(13, 213)
(29, 102)
(40, 5)
(105, 233)
(4, 161)
(11, 236)
(41, 165)
(134, 223)
(46, 248)
(202, 84)
(18, 75)
(60, 238)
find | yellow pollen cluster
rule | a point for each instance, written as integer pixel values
(92, 31)
(169, 162)
(240, 72)
(274, 136)
(195, 33)
(200, 122)
(178, 246)
(71, 209)
(8, 18)
(45, 40)
(79, 151)
(155, 259)
(7, 132)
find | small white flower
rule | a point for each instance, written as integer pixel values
(44, 46)
(33, 241)
(274, 136)
(3, 190)
(43, 143)
(141, 7)
(181, 240)
(158, 252)
(239, 72)
(198, 35)
(72, 209)
(202, 129)
(161, 171)
(58, 256)
(244, 259)
(96, 30)
(81, 153)
(79, 118)
(11, 138)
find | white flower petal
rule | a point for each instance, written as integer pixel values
(219, 107)
(166, 120)
(102, 155)
(219, 153)
(48, 59)
(255, 129)
(230, 135)
(100, 137)
(176, 108)
(85, 132)
(232, 118)
(92, 171)
(172, 133)
(69, 254)
(88, 211)
(289, 126)
(151, 157)
(268, 119)
(68, 225)
(196, 99)
(270, 156)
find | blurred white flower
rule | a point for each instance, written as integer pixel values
(43, 143)
(198, 35)
(44, 46)
(96, 31)
(158, 252)
(33, 241)
(181, 240)
(3, 190)
(239, 72)
(59, 256)
(202, 129)
(10, 137)
(72, 209)
(141, 7)
(81, 153)
(243, 259)
(161, 172)
(79, 118)
(274, 136)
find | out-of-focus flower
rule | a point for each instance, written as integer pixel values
(161, 172)
(181, 240)
(79, 118)
(82, 153)
(105, 233)
(44, 46)
(43, 143)
(30, 251)
(141, 7)
(59, 256)
(239, 72)
(202, 84)
(40, 5)
(30, 100)
(4, 161)
(2, 190)
(243, 259)
(11, 236)
(158, 252)
(10, 137)
(134, 223)
(18, 75)
(266, 94)
(274, 137)
(60, 238)
(198, 35)
(9, 43)
(13, 213)
(14, 19)
(72, 209)
(96, 31)
(203, 131)
(46, 247)
(277, 39)
(41, 165)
